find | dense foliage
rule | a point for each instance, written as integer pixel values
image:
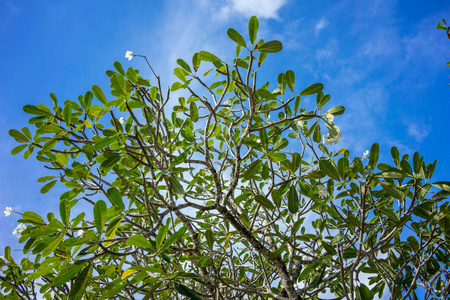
(222, 188)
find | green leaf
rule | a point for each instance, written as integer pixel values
(395, 156)
(209, 238)
(253, 26)
(317, 279)
(184, 65)
(274, 254)
(139, 240)
(178, 160)
(104, 142)
(317, 136)
(343, 167)
(100, 215)
(392, 190)
(328, 168)
(64, 211)
(48, 186)
(118, 67)
(280, 144)
(18, 149)
(374, 153)
(389, 212)
(33, 218)
(48, 146)
(180, 73)
(177, 188)
(98, 93)
(264, 202)
(439, 26)
(328, 248)
(236, 37)
(193, 112)
(119, 84)
(312, 89)
(33, 110)
(336, 110)
(443, 185)
(293, 200)
(18, 136)
(206, 56)
(68, 273)
(111, 230)
(172, 239)
(290, 79)
(196, 61)
(298, 101)
(67, 113)
(79, 286)
(115, 197)
(276, 197)
(265, 94)
(363, 292)
(185, 291)
(270, 47)
(252, 169)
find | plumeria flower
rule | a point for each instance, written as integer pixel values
(19, 229)
(299, 123)
(121, 120)
(2, 257)
(328, 140)
(323, 193)
(8, 211)
(129, 55)
(366, 153)
(80, 232)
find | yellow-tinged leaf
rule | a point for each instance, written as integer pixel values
(127, 273)
(227, 242)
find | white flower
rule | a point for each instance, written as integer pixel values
(80, 232)
(323, 193)
(328, 140)
(18, 230)
(366, 153)
(8, 211)
(129, 55)
(2, 257)
(121, 120)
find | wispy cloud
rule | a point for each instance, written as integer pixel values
(418, 131)
(321, 24)
(262, 8)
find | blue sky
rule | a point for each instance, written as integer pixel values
(384, 61)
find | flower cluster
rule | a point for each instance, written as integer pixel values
(129, 55)
(328, 140)
(19, 229)
(366, 153)
(323, 193)
(8, 211)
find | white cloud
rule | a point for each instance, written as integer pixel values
(418, 131)
(322, 24)
(261, 8)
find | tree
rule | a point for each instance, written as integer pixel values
(205, 199)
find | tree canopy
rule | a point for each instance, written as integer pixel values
(222, 187)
